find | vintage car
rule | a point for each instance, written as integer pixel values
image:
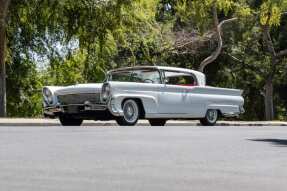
(154, 93)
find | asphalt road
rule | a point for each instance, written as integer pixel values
(143, 158)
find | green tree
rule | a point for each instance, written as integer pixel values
(270, 18)
(4, 5)
(198, 12)
(42, 30)
(262, 50)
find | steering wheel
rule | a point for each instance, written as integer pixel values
(148, 81)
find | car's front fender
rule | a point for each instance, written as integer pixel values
(150, 103)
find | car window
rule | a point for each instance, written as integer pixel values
(139, 76)
(178, 78)
(121, 76)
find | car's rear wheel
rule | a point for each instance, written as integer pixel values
(157, 122)
(131, 113)
(211, 118)
(70, 121)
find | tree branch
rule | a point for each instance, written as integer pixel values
(4, 5)
(268, 40)
(217, 52)
(282, 53)
(234, 58)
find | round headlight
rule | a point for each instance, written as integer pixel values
(48, 95)
(106, 90)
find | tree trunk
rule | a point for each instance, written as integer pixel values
(4, 4)
(2, 70)
(269, 107)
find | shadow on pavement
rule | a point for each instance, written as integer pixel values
(28, 125)
(87, 124)
(52, 124)
(276, 142)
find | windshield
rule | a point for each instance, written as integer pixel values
(139, 76)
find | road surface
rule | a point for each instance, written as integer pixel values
(143, 158)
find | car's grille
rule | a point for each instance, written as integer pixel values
(79, 98)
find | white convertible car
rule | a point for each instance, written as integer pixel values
(154, 93)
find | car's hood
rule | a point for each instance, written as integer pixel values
(80, 89)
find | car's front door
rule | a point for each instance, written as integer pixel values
(174, 97)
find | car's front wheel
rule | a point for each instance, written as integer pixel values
(131, 113)
(211, 118)
(70, 121)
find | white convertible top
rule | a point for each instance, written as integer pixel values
(199, 75)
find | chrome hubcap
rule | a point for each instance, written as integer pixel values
(212, 116)
(131, 111)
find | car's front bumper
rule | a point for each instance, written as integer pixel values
(73, 109)
(51, 112)
(87, 110)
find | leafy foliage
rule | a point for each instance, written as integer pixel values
(66, 42)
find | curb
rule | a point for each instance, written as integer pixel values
(254, 124)
(54, 122)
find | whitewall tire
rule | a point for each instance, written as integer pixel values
(211, 118)
(131, 113)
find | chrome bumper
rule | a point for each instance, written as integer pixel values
(73, 109)
(242, 110)
(235, 114)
